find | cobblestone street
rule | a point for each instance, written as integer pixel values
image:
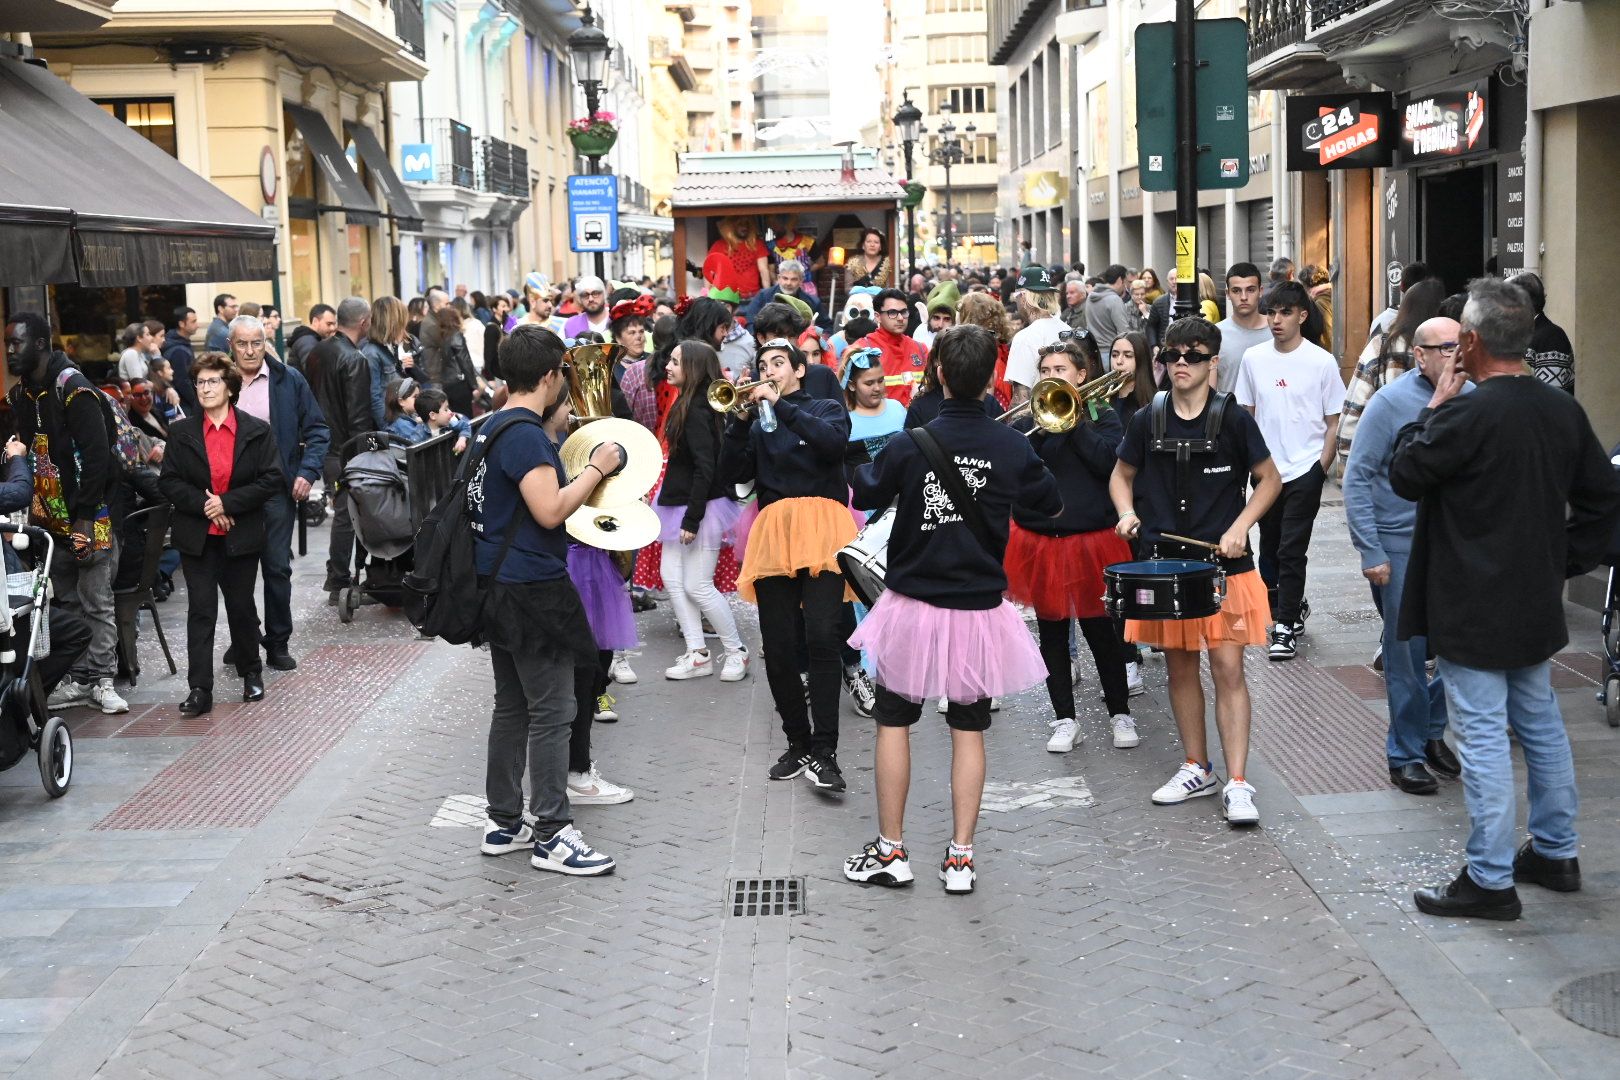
(294, 889)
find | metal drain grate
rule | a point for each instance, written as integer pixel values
(1593, 1002)
(765, 896)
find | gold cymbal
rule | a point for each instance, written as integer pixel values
(643, 458)
(619, 528)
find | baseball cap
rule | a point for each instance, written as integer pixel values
(1036, 279)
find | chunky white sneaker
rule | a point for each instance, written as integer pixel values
(957, 871)
(589, 789)
(1065, 734)
(735, 667)
(105, 698)
(620, 671)
(1133, 679)
(1238, 796)
(68, 693)
(995, 704)
(568, 853)
(1189, 782)
(870, 866)
(502, 841)
(1125, 735)
(690, 665)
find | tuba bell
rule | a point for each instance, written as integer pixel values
(590, 380)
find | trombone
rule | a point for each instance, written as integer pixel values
(1056, 404)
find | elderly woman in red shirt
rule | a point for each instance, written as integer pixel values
(219, 469)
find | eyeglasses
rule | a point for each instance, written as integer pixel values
(250, 346)
(205, 384)
(894, 311)
(1186, 356)
(1072, 335)
(1439, 346)
(140, 393)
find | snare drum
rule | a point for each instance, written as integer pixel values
(1161, 589)
(865, 559)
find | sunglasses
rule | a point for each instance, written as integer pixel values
(1073, 335)
(1186, 356)
(776, 343)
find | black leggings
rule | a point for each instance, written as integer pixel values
(819, 599)
(851, 657)
(590, 681)
(1106, 652)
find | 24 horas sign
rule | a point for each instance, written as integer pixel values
(1339, 131)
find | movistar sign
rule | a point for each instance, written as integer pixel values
(416, 162)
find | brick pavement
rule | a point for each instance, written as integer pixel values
(347, 936)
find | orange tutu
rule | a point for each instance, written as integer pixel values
(791, 535)
(1061, 577)
(1244, 618)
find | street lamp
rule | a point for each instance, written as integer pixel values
(589, 46)
(950, 151)
(908, 121)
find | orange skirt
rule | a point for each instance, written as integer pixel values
(791, 535)
(1244, 618)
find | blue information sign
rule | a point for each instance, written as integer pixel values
(593, 213)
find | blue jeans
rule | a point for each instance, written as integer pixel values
(275, 562)
(1417, 707)
(1483, 705)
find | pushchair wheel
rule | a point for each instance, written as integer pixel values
(345, 605)
(55, 757)
(1611, 700)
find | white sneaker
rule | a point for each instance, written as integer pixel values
(1065, 734)
(502, 841)
(736, 666)
(68, 693)
(943, 706)
(620, 671)
(1189, 782)
(690, 665)
(568, 853)
(1133, 680)
(995, 704)
(589, 789)
(1238, 796)
(105, 698)
(957, 871)
(1125, 735)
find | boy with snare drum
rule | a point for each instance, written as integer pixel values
(1183, 467)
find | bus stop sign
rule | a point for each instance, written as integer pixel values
(593, 213)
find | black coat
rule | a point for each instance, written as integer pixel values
(693, 477)
(256, 477)
(340, 374)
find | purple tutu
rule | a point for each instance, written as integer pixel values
(714, 531)
(601, 590)
(922, 652)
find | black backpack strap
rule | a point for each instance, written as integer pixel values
(1159, 411)
(468, 469)
(951, 478)
(1212, 421)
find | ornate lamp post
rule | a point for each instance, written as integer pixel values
(908, 122)
(949, 151)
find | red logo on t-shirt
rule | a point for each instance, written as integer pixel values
(1283, 383)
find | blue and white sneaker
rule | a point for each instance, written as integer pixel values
(501, 841)
(1190, 781)
(568, 853)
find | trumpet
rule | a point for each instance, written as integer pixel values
(1056, 405)
(725, 396)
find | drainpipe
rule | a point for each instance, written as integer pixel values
(1533, 137)
(1282, 193)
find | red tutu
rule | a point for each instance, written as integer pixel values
(1061, 577)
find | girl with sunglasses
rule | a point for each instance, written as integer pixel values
(1055, 564)
(791, 565)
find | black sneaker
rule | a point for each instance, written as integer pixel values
(1282, 643)
(790, 764)
(823, 772)
(861, 690)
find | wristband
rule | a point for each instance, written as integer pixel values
(598, 468)
(1127, 513)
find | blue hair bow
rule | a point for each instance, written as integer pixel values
(864, 290)
(858, 358)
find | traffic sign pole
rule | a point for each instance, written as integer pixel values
(595, 165)
(1186, 160)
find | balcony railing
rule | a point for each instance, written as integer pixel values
(1324, 12)
(452, 150)
(1277, 24)
(503, 169)
(410, 27)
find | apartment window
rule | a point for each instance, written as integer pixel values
(963, 99)
(152, 118)
(1054, 95)
(944, 7)
(956, 49)
(1014, 100)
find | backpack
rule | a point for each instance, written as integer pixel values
(442, 593)
(121, 434)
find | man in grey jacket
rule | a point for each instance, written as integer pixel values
(1106, 314)
(1381, 525)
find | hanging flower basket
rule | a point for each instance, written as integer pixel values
(594, 135)
(915, 190)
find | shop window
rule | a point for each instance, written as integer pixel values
(360, 261)
(305, 236)
(151, 118)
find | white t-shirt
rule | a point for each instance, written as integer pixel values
(1292, 393)
(1024, 356)
(1235, 341)
(133, 364)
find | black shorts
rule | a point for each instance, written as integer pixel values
(892, 710)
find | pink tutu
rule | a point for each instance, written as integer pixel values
(714, 531)
(922, 652)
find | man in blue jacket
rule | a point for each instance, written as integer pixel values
(178, 352)
(279, 395)
(1381, 526)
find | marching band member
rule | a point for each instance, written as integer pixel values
(697, 513)
(1055, 564)
(1200, 496)
(941, 626)
(791, 565)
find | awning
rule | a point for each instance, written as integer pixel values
(353, 198)
(85, 199)
(401, 207)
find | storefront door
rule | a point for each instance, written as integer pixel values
(1456, 224)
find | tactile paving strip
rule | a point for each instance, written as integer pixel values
(253, 758)
(1314, 731)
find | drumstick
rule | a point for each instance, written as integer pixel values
(1189, 540)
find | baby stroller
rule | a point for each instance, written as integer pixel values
(24, 641)
(380, 480)
(1609, 696)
